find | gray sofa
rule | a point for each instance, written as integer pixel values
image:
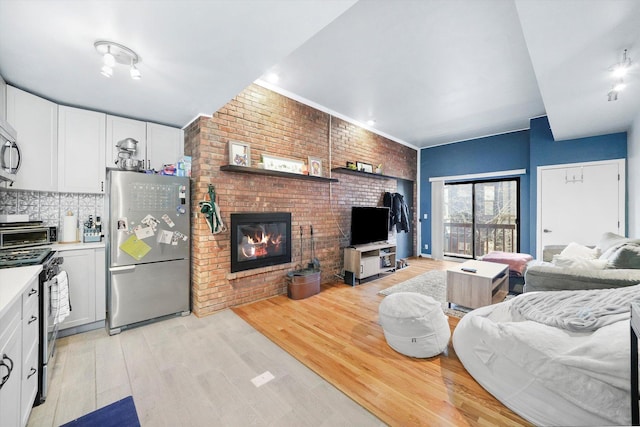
(623, 268)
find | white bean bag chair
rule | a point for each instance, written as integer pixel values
(414, 324)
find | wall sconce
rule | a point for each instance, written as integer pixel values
(115, 53)
(618, 72)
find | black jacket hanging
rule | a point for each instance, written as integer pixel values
(398, 212)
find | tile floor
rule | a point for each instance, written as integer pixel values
(186, 371)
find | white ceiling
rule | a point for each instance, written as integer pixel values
(428, 71)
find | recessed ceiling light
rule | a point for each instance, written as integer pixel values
(371, 122)
(273, 77)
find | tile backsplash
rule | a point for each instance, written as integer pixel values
(50, 207)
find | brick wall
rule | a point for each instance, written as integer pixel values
(276, 125)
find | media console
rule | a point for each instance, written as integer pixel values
(364, 261)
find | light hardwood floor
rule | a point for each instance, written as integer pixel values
(336, 334)
(187, 371)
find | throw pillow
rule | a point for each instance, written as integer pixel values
(578, 262)
(609, 240)
(576, 250)
(625, 256)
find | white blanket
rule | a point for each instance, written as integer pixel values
(583, 310)
(60, 303)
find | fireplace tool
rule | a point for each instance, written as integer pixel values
(315, 262)
(301, 271)
(212, 212)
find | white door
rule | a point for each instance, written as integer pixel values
(579, 202)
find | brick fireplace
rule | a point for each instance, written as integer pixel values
(273, 124)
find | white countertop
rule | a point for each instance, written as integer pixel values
(59, 247)
(13, 282)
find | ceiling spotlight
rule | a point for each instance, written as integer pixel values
(114, 53)
(106, 71)
(273, 78)
(134, 72)
(108, 59)
(621, 69)
(619, 86)
(618, 71)
(371, 122)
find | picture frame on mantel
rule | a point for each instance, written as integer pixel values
(239, 154)
(282, 164)
(315, 166)
(364, 167)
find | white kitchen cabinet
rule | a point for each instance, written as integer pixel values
(19, 357)
(81, 150)
(165, 145)
(119, 128)
(30, 330)
(86, 271)
(36, 121)
(11, 365)
(80, 267)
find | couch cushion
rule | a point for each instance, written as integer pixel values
(609, 240)
(581, 263)
(576, 250)
(625, 256)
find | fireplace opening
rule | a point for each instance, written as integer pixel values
(260, 240)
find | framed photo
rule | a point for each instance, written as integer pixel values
(364, 167)
(315, 166)
(351, 165)
(239, 154)
(281, 164)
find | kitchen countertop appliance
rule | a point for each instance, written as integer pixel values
(25, 234)
(147, 247)
(22, 246)
(126, 149)
(9, 152)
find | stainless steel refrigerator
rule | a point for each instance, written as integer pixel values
(148, 244)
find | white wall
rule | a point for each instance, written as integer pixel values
(633, 182)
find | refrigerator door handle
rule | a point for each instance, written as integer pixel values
(123, 268)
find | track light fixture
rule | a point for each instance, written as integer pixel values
(115, 53)
(618, 72)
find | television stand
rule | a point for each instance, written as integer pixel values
(367, 260)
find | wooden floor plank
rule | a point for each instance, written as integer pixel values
(336, 334)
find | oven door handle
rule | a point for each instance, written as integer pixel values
(123, 268)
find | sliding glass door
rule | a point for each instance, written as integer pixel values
(480, 217)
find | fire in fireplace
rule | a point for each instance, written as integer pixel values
(260, 240)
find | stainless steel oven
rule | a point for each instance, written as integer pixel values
(48, 328)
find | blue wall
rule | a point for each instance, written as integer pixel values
(547, 151)
(496, 153)
(517, 150)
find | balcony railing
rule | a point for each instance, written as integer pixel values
(458, 238)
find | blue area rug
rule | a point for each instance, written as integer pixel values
(118, 414)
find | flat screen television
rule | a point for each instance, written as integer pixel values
(369, 225)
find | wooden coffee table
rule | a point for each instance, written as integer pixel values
(488, 285)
